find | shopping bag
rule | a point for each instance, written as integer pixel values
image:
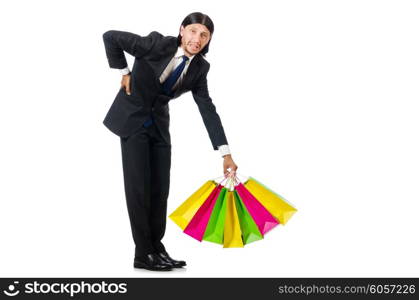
(215, 228)
(263, 219)
(274, 203)
(185, 212)
(249, 229)
(232, 232)
(197, 225)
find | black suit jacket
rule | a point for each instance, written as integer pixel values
(152, 54)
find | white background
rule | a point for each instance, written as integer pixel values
(319, 101)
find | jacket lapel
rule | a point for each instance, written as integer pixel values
(191, 72)
(171, 51)
(164, 53)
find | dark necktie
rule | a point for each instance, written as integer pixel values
(169, 83)
(174, 76)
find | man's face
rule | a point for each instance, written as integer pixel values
(194, 38)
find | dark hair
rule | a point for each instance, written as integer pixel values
(200, 18)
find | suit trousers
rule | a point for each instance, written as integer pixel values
(146, 159)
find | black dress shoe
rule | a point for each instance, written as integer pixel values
(174, 263)
(152, 262)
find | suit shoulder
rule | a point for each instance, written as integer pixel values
(164, 40)
(204, 63)
(157, 35)
(204, 60)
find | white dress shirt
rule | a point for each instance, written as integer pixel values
(174, 62)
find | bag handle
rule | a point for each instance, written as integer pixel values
(231, 180)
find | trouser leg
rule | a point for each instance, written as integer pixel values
(137, 182)
(160, 154)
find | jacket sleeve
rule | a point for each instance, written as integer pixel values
(208, 112)
(116, 42)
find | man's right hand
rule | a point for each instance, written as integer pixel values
(125, 83)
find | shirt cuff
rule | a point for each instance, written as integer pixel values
(224, 150)
(124, 71)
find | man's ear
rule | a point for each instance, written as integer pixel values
(181, 30)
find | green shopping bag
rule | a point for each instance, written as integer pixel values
(215, 228)
(250, 231)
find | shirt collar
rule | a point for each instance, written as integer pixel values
(180, 52)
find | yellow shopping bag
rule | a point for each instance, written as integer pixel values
(185, 212)
(274, 203)
(232, 232)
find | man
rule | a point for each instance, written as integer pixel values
(164, 68)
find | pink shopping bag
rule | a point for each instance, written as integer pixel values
(262, 217)
(197, 226)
